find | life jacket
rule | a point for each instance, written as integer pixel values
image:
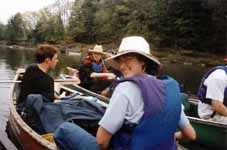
(99, 68)
(203, 89)
(162, 108)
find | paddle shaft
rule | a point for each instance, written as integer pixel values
(57, 80)
(9, 81)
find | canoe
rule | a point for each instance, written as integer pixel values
(209, 134)
(24, 136)
(21, 133)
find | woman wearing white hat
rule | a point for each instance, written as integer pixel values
(93, 72)
(144, 111)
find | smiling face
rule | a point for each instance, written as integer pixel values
(130, 66)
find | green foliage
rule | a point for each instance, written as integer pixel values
(49, 28)
(2, 31)
(165, 23)
(15, 29)
(81, 23)
(190, 24)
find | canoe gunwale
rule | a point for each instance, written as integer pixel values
(207, 122)
(101, 97)
(21, 125)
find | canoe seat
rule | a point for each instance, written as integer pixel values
(184, 98)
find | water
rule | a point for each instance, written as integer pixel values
(6, 73)
(189, 76)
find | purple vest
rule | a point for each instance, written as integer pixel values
(203, 89)
(162, 107)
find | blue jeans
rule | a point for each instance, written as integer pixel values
(69, 136)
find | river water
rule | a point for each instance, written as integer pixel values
(188, 76)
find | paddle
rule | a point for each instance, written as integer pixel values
(63, 81)
(9, 81)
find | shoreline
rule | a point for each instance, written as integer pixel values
(166, 55)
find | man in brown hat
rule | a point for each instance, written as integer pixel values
(93, 72)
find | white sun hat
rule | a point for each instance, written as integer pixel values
(133, 44)
(97, 49)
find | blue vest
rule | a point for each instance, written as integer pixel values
(203, 89)
(97, 67)
(162, 108)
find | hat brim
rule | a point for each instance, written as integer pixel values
(104, 54)
(98, 52)
(111, 60)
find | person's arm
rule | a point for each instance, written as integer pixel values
(186, 130)
(219, 107)
(103, 138)
(216, 84)
(105, 92)
(186, 133)
(113, 118)
(100, 75)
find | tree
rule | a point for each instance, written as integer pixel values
(2, 31)
(81, 23)
(16, 29)
(48, 28)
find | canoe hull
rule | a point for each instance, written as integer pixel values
(26, 138)
(209, 134)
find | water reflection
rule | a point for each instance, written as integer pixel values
(188, 76)
(14, 59)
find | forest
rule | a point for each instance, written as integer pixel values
(199, 25)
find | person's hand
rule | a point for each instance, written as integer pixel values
(178, 136)
(57, 101)
(105, 92)
(111, 76)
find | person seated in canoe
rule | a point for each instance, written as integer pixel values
(93, 72)
(213, 95)
(36, 79)
(144, 111)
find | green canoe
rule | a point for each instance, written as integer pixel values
(209, 134)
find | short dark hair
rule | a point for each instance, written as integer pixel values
(45, 51)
